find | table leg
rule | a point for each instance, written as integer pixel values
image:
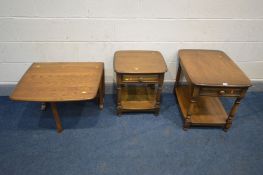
(193, 101)
(177, 80)
(119, 109)
(43, 106)
(233, 111)
(56, 117)
(102, 91)
(158, 94)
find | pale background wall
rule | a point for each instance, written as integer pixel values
(91, 30)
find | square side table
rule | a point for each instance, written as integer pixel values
(140, 76)
(210, 74)
(61, 82)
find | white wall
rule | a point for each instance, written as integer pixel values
(91, 30)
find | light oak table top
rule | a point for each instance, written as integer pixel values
(55, 82)
(132, 61)
(212, 68)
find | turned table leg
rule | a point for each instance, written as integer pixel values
(234, 110)
(193, 101)
(56, 117)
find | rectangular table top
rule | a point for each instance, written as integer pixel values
(59, 81)
(211, 68)
(139, 61)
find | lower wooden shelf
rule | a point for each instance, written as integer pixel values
(207, 110)
(138, 97)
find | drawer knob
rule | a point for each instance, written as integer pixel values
(222, 92)
(140, 79)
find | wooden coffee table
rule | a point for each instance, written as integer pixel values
(140, 76)
(61, 82)
(210, 74)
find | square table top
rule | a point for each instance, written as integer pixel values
(59, 81)
(211, 68)
(139, 61)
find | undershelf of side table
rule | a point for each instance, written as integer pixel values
(207, 111)
(138, 97)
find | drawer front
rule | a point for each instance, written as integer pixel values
(140, 78)
(229, 92)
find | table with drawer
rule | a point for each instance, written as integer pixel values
(209, 75)
(139, 77)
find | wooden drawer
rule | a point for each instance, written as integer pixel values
(140, 78)
(229, 92)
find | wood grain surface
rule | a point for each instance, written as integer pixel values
(149, 62)
(59, 81)
(211, 68)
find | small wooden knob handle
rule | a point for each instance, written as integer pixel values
(140, 79)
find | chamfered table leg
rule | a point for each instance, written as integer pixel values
(158, 94)
(177, 80)
(56, 117)
(102, 91)
(119, 108)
